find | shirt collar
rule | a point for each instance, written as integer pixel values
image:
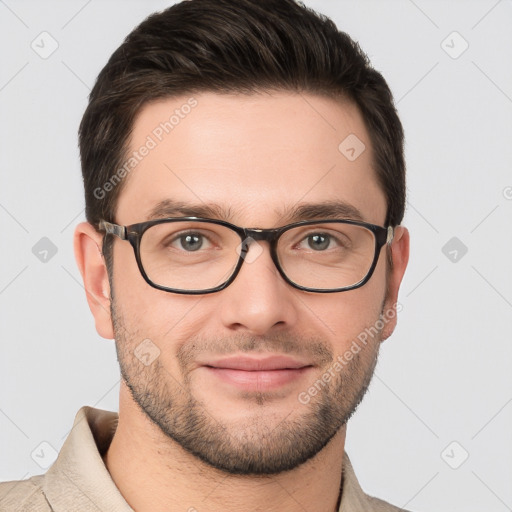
(353, 499)
(79, 475)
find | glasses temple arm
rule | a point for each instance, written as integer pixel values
(390, 235)
(113, 229)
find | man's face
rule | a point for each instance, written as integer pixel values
(256, 158)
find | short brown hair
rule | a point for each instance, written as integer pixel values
(233, 46)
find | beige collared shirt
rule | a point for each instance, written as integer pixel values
(79, 481)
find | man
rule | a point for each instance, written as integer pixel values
(245, 183)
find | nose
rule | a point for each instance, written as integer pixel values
(258, 300)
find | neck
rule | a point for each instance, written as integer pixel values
(153, 472)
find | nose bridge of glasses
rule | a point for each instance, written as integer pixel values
(262, 235)
(259, 235)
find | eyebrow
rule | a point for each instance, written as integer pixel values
(172, 208)
(324, 210)
(304, 211)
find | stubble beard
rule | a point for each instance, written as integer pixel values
(259, 444)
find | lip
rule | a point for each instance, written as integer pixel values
(253, 364)
(258, 374)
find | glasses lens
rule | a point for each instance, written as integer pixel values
(326, 256)
(189, 255)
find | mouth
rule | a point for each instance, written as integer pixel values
(258, 374)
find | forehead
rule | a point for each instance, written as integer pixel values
(255, 156)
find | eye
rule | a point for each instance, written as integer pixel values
(319, 241)
(323, 241)
(190, 242)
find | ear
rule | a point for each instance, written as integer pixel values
(400, 255)
(87, 244)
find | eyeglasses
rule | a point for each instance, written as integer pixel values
(192, 255)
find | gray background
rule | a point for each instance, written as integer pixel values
(443, 386)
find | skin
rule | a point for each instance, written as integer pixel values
(254, 154)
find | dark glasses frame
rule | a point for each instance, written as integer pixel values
(133, 234)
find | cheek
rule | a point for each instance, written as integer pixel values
(147, 313)
(344, 316)
(128, 281)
